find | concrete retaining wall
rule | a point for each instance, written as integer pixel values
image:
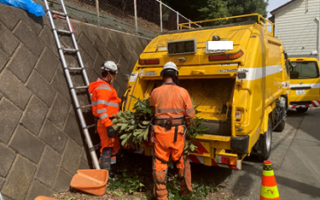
(41, 145)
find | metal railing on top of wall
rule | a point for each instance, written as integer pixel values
(136, 16)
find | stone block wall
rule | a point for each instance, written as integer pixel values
(41, 144)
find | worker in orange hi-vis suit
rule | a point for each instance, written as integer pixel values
(105, 104)
(173, 110)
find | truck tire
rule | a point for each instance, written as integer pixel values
(280, 126)
(301, 110)
(266, 142)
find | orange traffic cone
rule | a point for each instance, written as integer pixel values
(269, 189)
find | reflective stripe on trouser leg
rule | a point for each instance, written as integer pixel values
(113, 160)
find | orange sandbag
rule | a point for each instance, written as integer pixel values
(92, 181)
(44, 198)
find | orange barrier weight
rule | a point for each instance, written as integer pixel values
(92, 181)
(269, 189)
(44, 198)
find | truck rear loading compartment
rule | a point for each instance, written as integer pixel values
(215, 98)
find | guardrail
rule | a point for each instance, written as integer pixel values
(260, 19)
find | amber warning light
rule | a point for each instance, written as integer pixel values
(226, 56)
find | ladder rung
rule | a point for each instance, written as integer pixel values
(64, 31)
(97, 146)
(58, 13)
(75, 68)
(86, 106)
(90, 126)
(69, 50)
(80, 87)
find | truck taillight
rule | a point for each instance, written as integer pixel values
(218, 57)
(149, 62)
(227, 160)
(226, 56)
(238, 115)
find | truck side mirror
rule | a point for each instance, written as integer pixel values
(293, 64)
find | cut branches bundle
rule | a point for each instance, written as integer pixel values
(134, 127)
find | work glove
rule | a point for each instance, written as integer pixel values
(111, 132)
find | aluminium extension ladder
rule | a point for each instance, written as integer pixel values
(67, 69)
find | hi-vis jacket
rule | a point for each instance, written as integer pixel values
(172, 101)
(105, 101)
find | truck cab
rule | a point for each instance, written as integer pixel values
(237, 71)
(304, 83)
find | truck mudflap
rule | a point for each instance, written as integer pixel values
(194, 159)
(315, 103)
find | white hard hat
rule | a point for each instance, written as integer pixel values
(169, 65)
(110, 66)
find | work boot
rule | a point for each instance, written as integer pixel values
(160, 185)
(185, 178)
(113, 171)
(183, 186)
(105, 160)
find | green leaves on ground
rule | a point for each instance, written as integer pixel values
(127, 182)
(200, 190)
(133, 127)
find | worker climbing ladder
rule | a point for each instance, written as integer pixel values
(73, 89)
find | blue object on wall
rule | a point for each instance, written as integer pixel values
(27, 5)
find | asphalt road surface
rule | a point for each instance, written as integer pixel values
(295, 159)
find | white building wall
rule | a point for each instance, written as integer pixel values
(296, 26)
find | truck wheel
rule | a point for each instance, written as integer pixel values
(265, 142)
(280, 126)
(301, 110)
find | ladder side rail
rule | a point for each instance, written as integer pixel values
(75, 45)
(73, 92)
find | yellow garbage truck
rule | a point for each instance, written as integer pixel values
(238, 72)
(304, 83)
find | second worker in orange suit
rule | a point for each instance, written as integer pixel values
(173, 110)
(105, 104)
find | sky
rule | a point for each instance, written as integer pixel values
(273, 4)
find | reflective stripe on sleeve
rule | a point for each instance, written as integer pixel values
(103, 116)
(190, 110)
(102, 102)
(99, 111)
(113, 161)
(113, 104)
(106, 103)
(94, 103)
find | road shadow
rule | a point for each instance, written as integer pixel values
(309, 126)
(299, 186)
(209, 175)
